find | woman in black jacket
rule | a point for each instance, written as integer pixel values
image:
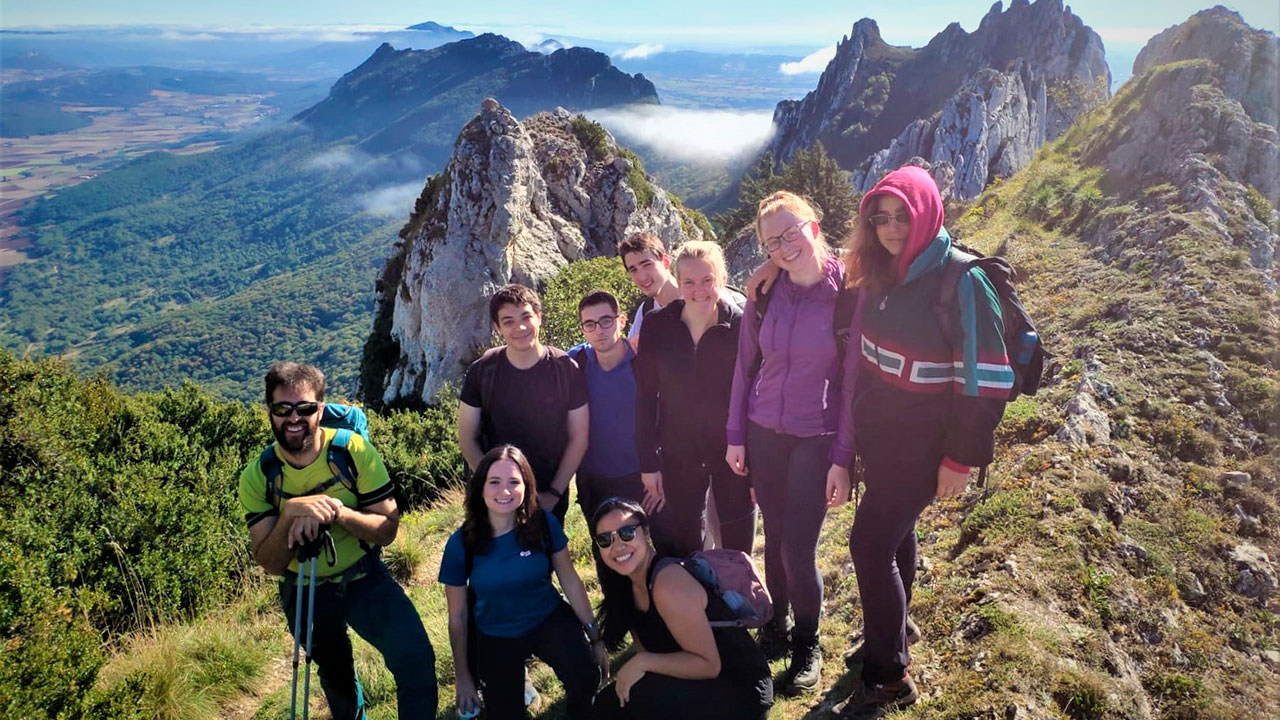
(683, 381)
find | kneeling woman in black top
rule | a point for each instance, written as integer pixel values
(684, 667)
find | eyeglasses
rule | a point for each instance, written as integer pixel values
(626, 533)
(902, 217)
(606, 322)
(791, 235)
(283, 409)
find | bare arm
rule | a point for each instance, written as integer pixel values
(579, 424)
(572, 586)
(682, 603)
(465, 685)
(469, 434)
(272, 539)
(376, 524)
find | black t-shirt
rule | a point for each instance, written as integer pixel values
(527, 408)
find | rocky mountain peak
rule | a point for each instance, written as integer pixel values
(1248, 58)
(517, 202)
(874, 98)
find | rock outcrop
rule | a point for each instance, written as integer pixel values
(982, 102)
(1219, 145)
(990, 129)
(517, 202)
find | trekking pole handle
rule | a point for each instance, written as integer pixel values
(322, 542)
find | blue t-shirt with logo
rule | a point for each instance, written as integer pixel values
(513, 586)
(611, 445)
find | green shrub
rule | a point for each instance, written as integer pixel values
(1005, 514)
(592, 135)
(560, 323)
(1081, 698)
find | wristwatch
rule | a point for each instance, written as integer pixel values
(592, 633)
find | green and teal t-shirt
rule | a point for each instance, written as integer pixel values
(512, 584)
(373, 485)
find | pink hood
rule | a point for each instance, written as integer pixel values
(917, 190)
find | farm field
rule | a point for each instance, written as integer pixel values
(34, 166)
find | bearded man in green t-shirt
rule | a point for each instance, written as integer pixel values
(353, 586)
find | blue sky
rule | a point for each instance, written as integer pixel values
(675, 24)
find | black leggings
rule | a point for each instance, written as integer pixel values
(560, 643)
(901, 482)
(678, 529)
(662, 697)
(789, 474)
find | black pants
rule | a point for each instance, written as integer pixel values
(901, 481)
(662, 697)
(594, 490)
(560, 643)
(379, 611)
(790, 477)
(678, 529)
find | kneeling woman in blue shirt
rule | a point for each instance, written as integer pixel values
(506, 551)
(684, 668)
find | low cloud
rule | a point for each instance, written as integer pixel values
(639, 52)
(812, 64)
(337, 159)
(688, 135)
(392, 200)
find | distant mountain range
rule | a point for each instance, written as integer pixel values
(415, 100)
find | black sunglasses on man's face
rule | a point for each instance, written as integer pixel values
(283, 409)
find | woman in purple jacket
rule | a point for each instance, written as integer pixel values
(783, 416)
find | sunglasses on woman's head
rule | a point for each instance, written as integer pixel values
(282, 409)
(626, 533)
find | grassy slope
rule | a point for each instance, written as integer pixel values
(1061, 588)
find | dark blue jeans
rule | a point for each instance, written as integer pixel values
(375, 607)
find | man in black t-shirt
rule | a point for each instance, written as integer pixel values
(526, 394)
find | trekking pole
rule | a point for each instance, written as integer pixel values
(297, 641)
(307, 555)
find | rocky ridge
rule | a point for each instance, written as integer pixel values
(980, 103)
(516, 203)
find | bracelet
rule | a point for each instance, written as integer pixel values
(558, 493)
(592, 633)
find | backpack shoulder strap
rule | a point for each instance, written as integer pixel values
(271, 469)
(488, 369)
(842, 318)
(958, 263)
(341, 464)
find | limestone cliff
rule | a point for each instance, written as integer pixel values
(982, 102)
(517, 202)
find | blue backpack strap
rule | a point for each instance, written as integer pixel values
(341, 464)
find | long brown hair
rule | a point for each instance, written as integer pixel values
(531, 524)
(868, 264)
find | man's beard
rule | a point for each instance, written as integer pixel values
(294, 445)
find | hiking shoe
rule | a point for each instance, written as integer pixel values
(855, 658)
(774, 640)
(872, 701)
(805, 671)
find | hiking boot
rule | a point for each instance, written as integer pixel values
(871, 701)
(855, 658)
(774, 639)
(805, 671)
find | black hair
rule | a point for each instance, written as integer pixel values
(617, 609)
(294, 375)
(598, 297)
(513, 294)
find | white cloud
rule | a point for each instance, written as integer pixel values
(812, 64)
(336, 159)
(639, 52)
(688, 135)
(174, 35)
(391, 200)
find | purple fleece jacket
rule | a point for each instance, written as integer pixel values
(797, 389)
